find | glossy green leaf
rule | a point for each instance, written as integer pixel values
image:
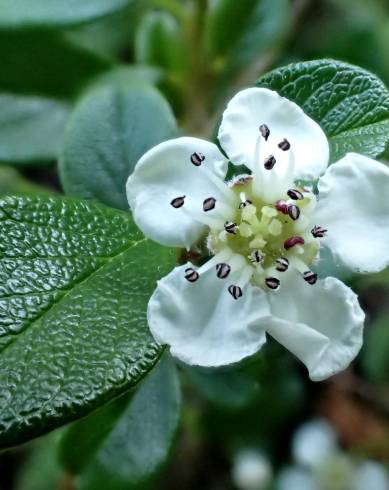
(126, 442)
(31, 128)
(43, 62)
(109, 131)
(75, 279)
(350, 104)
(17, 13)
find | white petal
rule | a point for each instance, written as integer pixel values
(202, 323)
(321, 324)
(354, 207)
(164, 173)
(252, 107)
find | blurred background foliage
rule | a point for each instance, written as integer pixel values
(65, 63)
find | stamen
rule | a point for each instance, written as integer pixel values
(256, 257)
(272, 282)
(295, 194)
(235, 291)
(243, 201)
(178, 202)
(265, 131)
(294, 212)
(191, 275)
(282, 207)
(292, 241)
(209, 204)
(310, 277)
(269, 162)
(197, 159)
(284, 145)
(282, 264)
(222, 270)
(231, 227)
(318, 231)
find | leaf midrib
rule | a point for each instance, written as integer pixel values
(77, 284)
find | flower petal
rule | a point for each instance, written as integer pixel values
(354, 207)
(250, 108)
(321, 324)
(202, 323)
(166, 172)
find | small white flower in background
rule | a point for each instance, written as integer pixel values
(263, 233)
(251, 470)
(320, 464)
(313, 443)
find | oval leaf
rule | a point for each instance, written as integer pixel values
(75, 279)
(31, 128)
(41, 62)
(107, 134)
(126, 442)
(349, 103)
(17, 13)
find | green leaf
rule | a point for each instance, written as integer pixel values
(75, 279)
(126, 442)
(375, 352)
(107, 134)
(159, 41)
(31, 128)
(241, 32)
(11, 182)
(21, 13)
(233, 388)
(40, 470)
(42, 62)
(350, 104)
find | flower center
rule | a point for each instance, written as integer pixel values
(270, 238)
(260, 224)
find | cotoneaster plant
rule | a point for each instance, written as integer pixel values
(263, 233)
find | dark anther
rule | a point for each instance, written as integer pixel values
(178, 202)
(282, 207)
(256, 257)
(265, 131)
(230, 227)
(245, 203)
(191, 275)
(292, 241)
(294, 212)
(295, 194)
(272, 282)
(209, 203)
(282, 264)
(235, 291)
(318, 232)
(222, 270)
(197, 158)
(284, 145)
(269, 162)
(310, 277)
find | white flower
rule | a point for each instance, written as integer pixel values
(263, 232)
(251, 470)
